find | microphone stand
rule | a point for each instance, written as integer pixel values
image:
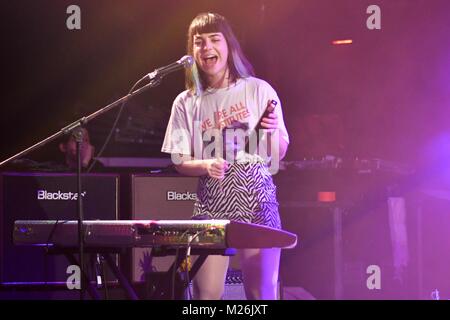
(78, 135)
(75, 128)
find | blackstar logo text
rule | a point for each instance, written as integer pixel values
(58, 195)
(181, 196)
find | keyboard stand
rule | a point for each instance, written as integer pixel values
(106, 253)
(160, 285)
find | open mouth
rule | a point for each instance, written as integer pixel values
(210, 60)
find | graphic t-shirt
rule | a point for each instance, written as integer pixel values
(218, 118)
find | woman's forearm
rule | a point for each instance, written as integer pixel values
(193, 167)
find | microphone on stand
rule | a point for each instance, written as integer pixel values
(184, 62)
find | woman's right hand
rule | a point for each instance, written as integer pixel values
(216, 168)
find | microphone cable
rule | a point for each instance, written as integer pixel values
(108, 138)
(185, 61)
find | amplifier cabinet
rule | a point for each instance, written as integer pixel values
(159, 197)
(47, 196)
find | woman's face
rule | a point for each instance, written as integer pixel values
(211, 54)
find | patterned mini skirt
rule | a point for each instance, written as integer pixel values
(246, 194)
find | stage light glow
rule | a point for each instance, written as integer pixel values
(341, 42)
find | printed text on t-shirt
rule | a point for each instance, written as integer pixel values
(226, 116)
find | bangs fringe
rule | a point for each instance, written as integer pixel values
(208, 23)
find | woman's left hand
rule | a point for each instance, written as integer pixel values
(270, 122)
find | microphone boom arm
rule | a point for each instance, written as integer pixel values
(155, 78)
(80, 122)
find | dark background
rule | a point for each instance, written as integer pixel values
(385, 96)
(389, 90)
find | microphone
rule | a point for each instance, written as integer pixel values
(184, 62)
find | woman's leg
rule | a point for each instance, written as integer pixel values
(260, 272)
(209, 282)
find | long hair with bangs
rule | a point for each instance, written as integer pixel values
(238, 65)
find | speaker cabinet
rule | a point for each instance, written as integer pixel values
(432, 253)
(47, 196)
(157, 197)
(341, 243)
(311, 264)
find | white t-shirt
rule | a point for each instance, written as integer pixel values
(196, 122)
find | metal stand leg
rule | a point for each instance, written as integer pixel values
(107, 255)
(123, 281)
(161, 288)
(419, 253)
(84, 278)
(338, 254)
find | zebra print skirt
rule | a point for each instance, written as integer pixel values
(246, 194)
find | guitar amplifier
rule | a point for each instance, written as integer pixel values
(47, 196)
(159, 197)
